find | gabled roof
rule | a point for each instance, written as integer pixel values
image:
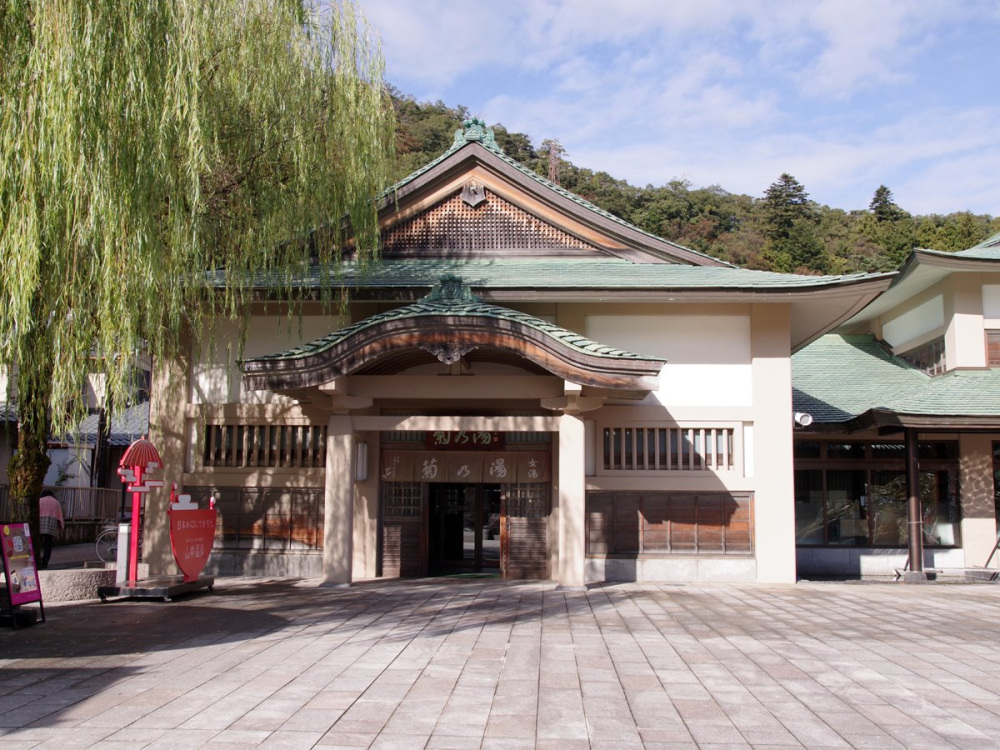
(448, 323)
(852, 383)
(923, 269)
(475, 143)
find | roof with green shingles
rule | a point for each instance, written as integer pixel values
(475, 131)
(988, 249)
(450, 297)
(555, 275)
(838, 378)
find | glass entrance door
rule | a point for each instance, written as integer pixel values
(463, 532)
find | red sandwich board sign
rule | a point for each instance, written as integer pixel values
(192, 533)
(19, 569)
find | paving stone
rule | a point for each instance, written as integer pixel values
(480, 663)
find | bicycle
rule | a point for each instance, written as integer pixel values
(107, 545)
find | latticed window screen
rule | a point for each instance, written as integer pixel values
(668, 448)
(678, 523)
(528, 500)
(266, 518)
(264, 445)
(929, 357)
(495, 224)
(401, 499)
(993, 348)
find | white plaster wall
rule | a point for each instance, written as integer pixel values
(916, 322)
(73, 463)
(95, 390)
(215, 375)
(991, 302)
(708, 356)
(964, 341)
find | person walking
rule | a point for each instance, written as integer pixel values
(50, 523)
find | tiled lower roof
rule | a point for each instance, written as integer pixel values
(127, 427)
(555, 275)
(838, 378)
(456, 301)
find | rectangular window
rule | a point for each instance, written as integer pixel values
(929, 357)
(255, 518)
(669, 448)
(993, 348)
(996, 480)
(264, 445)
(669, 523)
(401, 499)
(809, 518)
(846, 519)
(855, 494)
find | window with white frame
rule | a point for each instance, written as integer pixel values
(696, 448)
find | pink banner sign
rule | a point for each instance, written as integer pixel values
(19, 564)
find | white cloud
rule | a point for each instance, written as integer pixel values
(845, 94)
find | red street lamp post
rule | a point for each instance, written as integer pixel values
(139, 461)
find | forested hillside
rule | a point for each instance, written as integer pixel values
(781, 230)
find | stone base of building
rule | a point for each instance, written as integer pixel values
(270, 563)
(863, 562)
(674, 569)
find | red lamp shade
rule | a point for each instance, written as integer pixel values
(141, 453)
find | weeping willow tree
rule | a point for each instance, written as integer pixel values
(147, 147)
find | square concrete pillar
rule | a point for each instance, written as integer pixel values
(338, 524)
(979, 527)
(572, 502)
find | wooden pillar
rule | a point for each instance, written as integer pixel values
(338, 524)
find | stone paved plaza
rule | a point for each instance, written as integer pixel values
(488, 664)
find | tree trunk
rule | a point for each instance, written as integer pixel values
(26, 470)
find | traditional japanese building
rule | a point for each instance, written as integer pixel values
(525, 384)
(909, 385)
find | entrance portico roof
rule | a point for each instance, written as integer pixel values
(449, 323)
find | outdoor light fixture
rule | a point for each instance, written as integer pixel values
(802, 419)
(360, 462)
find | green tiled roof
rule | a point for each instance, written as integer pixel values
(988, 249)
(556, 275)
(453, 298)
(837, 378)
(475, 131)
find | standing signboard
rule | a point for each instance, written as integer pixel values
(192, 533)
(19, 567)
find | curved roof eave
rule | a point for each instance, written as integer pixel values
(448, 323)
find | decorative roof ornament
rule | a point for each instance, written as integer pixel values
(475, 131)
(451, 288)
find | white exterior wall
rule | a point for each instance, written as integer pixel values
(708, 356)
(70, 467)
(965, 344)
(727, 367)
(215, 375)
(921, 322)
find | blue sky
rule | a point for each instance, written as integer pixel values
(843, 94)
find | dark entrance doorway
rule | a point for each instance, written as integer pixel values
(463, 534)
